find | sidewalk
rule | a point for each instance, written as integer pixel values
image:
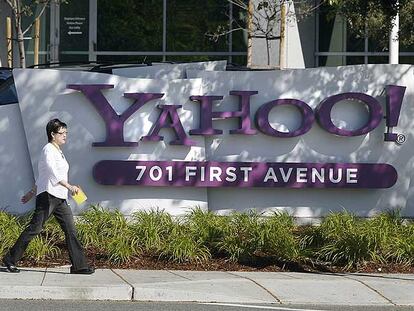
(216, 286)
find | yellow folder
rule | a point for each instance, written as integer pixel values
(80, 197)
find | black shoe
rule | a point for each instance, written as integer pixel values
(11, 268)
(88, 270)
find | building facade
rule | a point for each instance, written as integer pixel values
(177, 31)
(220, 140)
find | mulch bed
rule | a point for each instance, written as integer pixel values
(260, 264)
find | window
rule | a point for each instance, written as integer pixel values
(166, 30)
(129, 25)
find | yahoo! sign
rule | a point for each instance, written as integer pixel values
(241, 174)
(169, 118)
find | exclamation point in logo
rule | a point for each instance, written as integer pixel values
(395, 95)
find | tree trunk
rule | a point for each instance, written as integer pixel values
(282, 43)
(20, 42)
(250, 34)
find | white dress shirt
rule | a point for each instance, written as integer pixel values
(52, 168)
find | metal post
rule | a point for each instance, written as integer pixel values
(93, 38)
(54, 31)
(230, 47)
(316, 47)
(164, 30)
(366, 42)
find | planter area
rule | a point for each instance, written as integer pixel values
(239, 242)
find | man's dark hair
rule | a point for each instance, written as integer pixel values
(53, 126)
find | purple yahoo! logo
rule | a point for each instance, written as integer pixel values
(169, 118)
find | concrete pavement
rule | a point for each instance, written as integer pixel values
(211, 286)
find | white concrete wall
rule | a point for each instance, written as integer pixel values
(312, 86)
(16, 174)
(42, 96)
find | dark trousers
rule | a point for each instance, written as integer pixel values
(46, 205)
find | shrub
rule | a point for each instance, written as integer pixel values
(182, 247)
(393, 239)
(108, 232)
(350, 241)
(151, 229)
(45, 245)
(53, 231)
(10, 229)
(344, 240)
(97, 224)
(278, 238)
(341, 238)
(243, 236)
(42, 247)
(122, 248)
(207, 228)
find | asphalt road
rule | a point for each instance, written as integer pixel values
(66, 305)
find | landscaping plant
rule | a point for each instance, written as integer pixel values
(340, 240)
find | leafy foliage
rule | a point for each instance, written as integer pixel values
(151, 230)
(109, 232)
(375, 17)
(242, 236)
(207, 228)
(181, 246)
(250, 234)
(46, 244)
(341, 239)
(278, 236)
(26, 8)
(10, 229)
(346, 240)
(42, 247)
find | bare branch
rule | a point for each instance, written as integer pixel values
(240, 3)
(34, 20)
(10, 4)
(216, 36)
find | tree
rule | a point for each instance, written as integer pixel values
(378, 17)
(375, 18)
(266, 19)
(20, 9)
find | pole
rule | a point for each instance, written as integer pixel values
(282, 34)
(9, 42)
(36, 41)
(394, 41)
